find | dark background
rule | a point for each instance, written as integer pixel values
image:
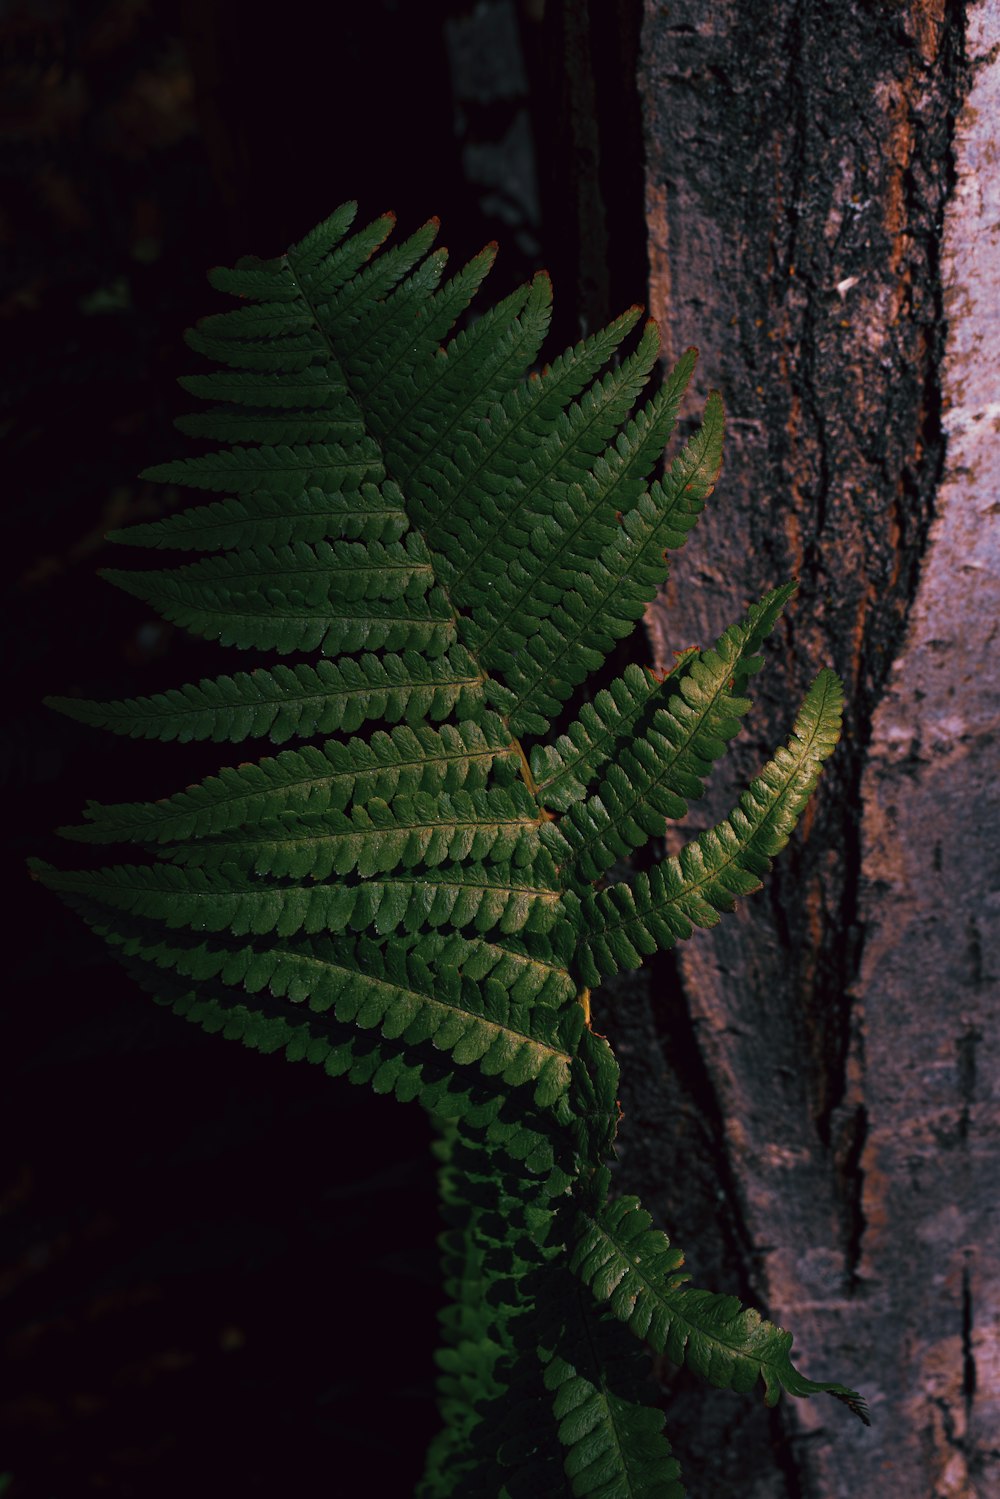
(220, 1273)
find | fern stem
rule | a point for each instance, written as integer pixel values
(524, 768)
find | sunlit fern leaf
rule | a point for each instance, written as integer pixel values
(664, 764)
(563, 771)
(415, 908)
(460, 896)
(635, 1270)
(413, 831)
(626, 922)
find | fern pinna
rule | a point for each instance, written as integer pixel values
(421, 896)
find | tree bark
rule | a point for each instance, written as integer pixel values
(821, 210)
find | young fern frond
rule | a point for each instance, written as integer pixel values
(417, 907)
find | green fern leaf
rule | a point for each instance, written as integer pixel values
(624, 922)
(306, 597)
(633, 1267)
(368, 513)
(314, 780)
(313, 388)
(300, 701)
(324, 264)
(281, 469)
(378, 837)
(652, 778)
(236, 425)
(453, 489)
(477, 369)
(483, 897)
(575, 638)
(564, 500)
(563, 771)
(615, 1446)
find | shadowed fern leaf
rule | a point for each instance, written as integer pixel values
(453, 544)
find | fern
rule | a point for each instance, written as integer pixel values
(421, 907)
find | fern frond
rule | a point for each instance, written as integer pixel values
(372, 343)
(476, 371)
(567, 498)
(299, 701)
(392, 990)
(455, 485)
(607, 602)
(371, 513)
(484, 897)
(402, 907)
(336, 597)
(366, 294)
(269, 280)
(364, 1058)
(323, 264)
(378, 837)
(315, 779)
(562, 771)
(690, 889)
(290, 353)
(632, 1267)
(614, 1440)
(653, 777)
(236, 425)
(315, 388)
(280, 469)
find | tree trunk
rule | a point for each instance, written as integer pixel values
(821, 214)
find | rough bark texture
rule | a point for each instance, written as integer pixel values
(820, 211)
